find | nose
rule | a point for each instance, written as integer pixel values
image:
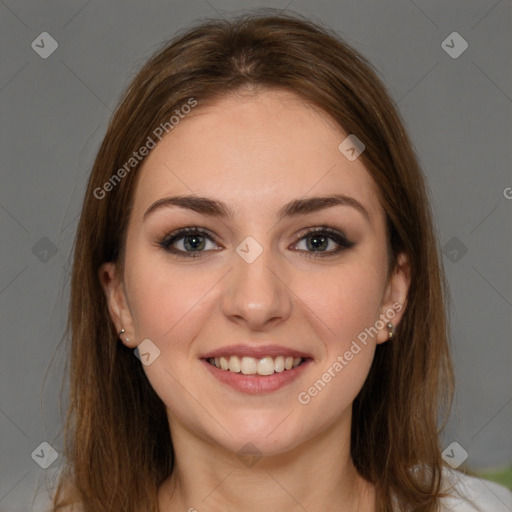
(257, 294)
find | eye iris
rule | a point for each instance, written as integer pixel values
(194, 242)
(318, 239)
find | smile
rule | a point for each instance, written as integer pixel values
(263, 366)
(252, 382)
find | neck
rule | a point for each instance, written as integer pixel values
(315, 475)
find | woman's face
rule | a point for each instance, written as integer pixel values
(248, 284)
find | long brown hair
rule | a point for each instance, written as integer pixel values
(118, 444)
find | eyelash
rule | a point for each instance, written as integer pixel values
(181, 233)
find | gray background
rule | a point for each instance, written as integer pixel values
(54, 113)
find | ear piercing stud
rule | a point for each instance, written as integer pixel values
(391, 331)
(122, 331)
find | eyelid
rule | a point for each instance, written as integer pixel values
(334, 234)
(323, 229)
(182, 232)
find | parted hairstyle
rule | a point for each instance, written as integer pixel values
(118, 446)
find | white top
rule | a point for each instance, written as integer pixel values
(485, 496)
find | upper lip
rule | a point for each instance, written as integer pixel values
(242, 350)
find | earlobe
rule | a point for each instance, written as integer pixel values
(116, 301)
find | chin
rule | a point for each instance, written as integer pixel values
(267, 434)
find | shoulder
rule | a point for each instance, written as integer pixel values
(471, 494)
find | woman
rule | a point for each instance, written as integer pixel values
(258, 307)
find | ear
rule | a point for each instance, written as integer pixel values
(117, 304)
(395, 297)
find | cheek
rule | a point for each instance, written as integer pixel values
(345, 302)
(344, 306)
(166, 299)
(170, 306)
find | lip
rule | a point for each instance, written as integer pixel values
(257, 352)
(256, 384)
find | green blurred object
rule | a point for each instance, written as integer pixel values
(502, 476)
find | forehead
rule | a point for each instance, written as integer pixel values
(254, 151)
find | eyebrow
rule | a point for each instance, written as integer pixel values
(214, 208)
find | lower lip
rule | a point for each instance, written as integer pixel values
(256, 384)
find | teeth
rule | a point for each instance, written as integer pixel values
(234, 364)
(266, 366)
(249, 366)
(279, 364)
(252, 366)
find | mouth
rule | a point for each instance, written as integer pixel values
(256, 371)
(262, 366)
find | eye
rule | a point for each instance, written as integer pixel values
(190, 241)
(317, 241)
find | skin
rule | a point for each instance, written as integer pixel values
(256, 152)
